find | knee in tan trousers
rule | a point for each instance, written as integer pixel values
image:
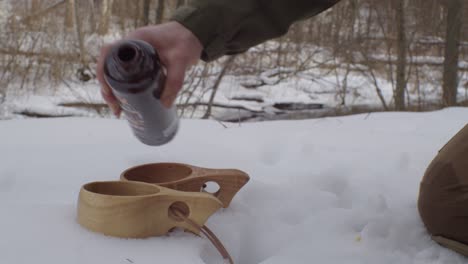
(443, 196)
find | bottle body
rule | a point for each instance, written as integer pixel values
(133, 71)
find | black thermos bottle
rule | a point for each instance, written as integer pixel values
(135, 74)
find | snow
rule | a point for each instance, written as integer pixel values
(42, 105)
(331, 190)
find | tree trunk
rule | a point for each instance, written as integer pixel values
(92, 17)
(138, 13)
(401, 64)
(452, 42)
(35, 5)
(160, 11)
(223, 72)
(106, 13)
(79, 36)
(70, 15)
(146, 11)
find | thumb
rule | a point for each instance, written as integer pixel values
(174, 82)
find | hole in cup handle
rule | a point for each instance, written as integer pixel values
(178, 211)
(211, 187)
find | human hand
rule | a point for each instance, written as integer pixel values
(177, 47)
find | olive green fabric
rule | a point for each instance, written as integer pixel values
(227, 27)
(443, 196)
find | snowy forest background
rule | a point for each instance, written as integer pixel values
(360, 56)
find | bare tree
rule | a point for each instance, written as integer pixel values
(92, 17)
(452, 41)
(401, 63)
(106, 12)
(34, 5)
(221, 75)
(137, 13)
(146, 11)
(79, 36)
(160, 11)
(70, 14)
(389, 45)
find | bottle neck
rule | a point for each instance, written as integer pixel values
(132, 62)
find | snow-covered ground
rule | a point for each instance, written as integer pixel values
(331, 190)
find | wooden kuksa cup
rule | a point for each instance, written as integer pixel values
(139, 210)
(150, 198)
(184, 177)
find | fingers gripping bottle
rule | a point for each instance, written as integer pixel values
(135, 74)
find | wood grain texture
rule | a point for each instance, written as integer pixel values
(184, 177)
(139, 210)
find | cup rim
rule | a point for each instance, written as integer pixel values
(127, 174)
(86, 188)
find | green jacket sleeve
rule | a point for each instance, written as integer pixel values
(227, 27)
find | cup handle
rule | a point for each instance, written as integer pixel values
(230, 181)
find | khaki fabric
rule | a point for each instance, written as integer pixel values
(227, 27)
(452, 244)
(443, 196)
